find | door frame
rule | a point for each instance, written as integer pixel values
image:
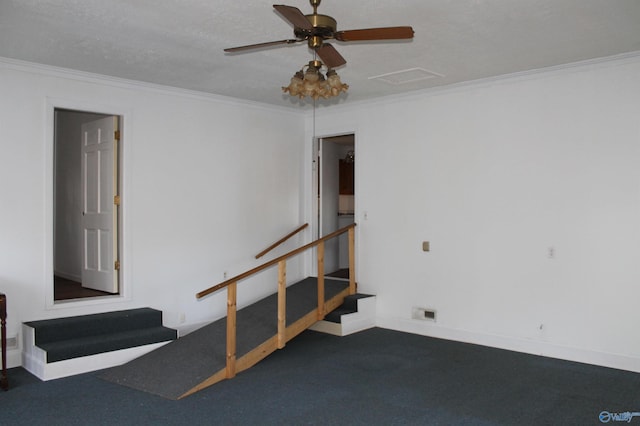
(124, 114)
(316, 191)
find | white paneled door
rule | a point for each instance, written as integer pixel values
(100, 205)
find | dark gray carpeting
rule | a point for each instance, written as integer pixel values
(177, 367)
(375, 377)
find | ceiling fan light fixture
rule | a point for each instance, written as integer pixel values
(316, 29)
(313, 84)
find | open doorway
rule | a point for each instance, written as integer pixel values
(86, 212)
(336, 199)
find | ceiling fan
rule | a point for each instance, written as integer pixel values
(315, 29)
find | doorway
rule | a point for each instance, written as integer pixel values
(336, 199)
(86, 213)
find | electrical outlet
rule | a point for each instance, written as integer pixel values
(225, 275)
(183, 317)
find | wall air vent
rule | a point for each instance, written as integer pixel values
(12, 342)
(406, 76)
(423, 314)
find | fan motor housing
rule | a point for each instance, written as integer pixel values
(323, 26)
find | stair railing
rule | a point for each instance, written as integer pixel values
(280, 241)
(232, 284)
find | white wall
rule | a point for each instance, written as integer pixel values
(208, 183)
(493, 174)
(497, 175)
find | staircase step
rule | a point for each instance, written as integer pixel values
(349, 306)
(357, 313)
(60, 341)
(91, 345)
(92, 325)
(336, 314)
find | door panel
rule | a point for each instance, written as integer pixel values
(100, 219)
(329, 153)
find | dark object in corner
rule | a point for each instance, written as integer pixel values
(4, 383)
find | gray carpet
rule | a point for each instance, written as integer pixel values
(375, 377)
(177, 367)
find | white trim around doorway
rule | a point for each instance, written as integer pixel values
(125, 114)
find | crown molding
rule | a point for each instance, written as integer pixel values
(604, 62)
(101, 79)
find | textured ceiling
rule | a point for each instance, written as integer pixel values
(180, 42)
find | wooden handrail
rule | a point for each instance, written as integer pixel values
(281, 338)
(280, 241)
(275, 261)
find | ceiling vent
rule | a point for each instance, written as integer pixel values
(406, 76)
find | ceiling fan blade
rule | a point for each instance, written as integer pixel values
(330, 56)
(294, 16)
(387, 33)
(261, 45)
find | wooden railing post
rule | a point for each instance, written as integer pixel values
(321, 308)
(352, 261)
(231, 329)
(232, 283)
(282, 304)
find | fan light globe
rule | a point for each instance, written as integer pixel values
(312, 83)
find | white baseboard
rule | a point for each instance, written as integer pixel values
(533, 347)
(184, 329)
(14, 358)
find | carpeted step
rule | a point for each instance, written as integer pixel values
(349, 306)
(336, 315)
(91, 345)
(74, 337)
